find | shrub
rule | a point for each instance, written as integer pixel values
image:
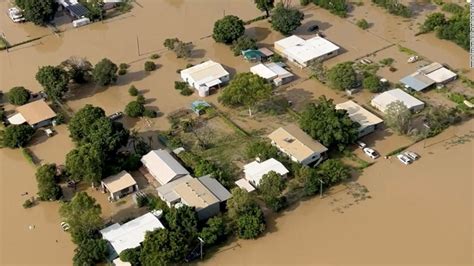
(276, 58)
(18, 96)
(394, 7)
(372, 83)
(133, 91)
(154, 56)
(337, 7)
(387, 61)
(243, 43)
(187, 91)
(305, 2)
(28, 203)
(180, 85)
(150, 66)
(452, 8)
(150, 113)
(141, 99)
(363, 24)
(60, 118)
(123, 66)
(122, 72)
(134, 109)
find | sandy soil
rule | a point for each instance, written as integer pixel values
(417, 214)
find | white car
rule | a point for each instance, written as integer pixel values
(404, 159)
(371, 153)
(15, 14)
(361, 144)
(412, 155)
(412, 59)
(65, 226)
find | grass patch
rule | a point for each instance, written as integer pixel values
(466, 81)
(387, 61)
(406, 50)
(28, 156)
(396, 151)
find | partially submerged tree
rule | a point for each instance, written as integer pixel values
(48, 189)
(180, 48)
(398, 117)
(246, 213)
(85, 163)
(342, 76)
(271, 186)
(331, 127)
(54, 80)
(246, 89)
(78, 68)
(333, 171)
(105, 72)
(228, 29)
(15, 136)
(215, 231)
(134, 109)
(286, 19)
(40, 12)
(243, 43)
(18, 96)
(265, 5)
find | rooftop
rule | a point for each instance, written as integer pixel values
(194, 193)
(270, 71)
(35, 112)
(119, 181)
(296, 142)
(205, 72)
(215, 187)
(390, 96)
(244, 184)
(254, 171)
(163, 166)
(427, 76)
(359, 114)
(306, 50)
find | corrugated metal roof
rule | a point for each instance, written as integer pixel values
(215, 187)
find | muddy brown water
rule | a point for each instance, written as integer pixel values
(159, 19)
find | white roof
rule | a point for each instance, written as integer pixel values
(16, 119)
(359, 114)
(384, 99)
(205, 72)
(119, 262)
(163, 166)
(132, 233)
(166, 192)
(307, 50)
(244, 184)
(441, 75)
(254, 171)
(263, 71)
(118, 182)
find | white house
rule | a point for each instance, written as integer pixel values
(206, 194)
(132, 233)
(163, 167)
(119, 185)
(302, 52)
(298, 145)
(36, 114)
(272, 72)
(434, 73)
(382, 100)
(255, 170)
(368, 121)
(205, 77)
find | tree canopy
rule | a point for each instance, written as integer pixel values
(82, 214)
(79, 69)
(215, 231)
(243, 43)
(331, 127)
(337, 7)
(48, 189)
(15, 136)
(342, 76)
(18, 96)
(265, 5)
(134, 109)
(372, 83)
(90, 252)
(39, 12)
(54, 80)
(271, 186)
(228, 29)
(398, 117)
(251, 223)
(105, 72)
(261, 149)
(286, 19)
(333, 171)
(85, 163)
(246, 89)
(131, 255)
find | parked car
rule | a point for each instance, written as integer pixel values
(65, 226)
(404, 159)
(371, 153)
(16, 15)
(115, 115)
(361, 144)
(412, 155)
(412, 59)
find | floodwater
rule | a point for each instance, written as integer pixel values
(132, 38)
(417, 214)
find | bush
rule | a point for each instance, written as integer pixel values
(363, 24)
(187, 91)
(60, 118)
(180, 85)
(18, 96)
(276, 58)
(305, 2)
(133, 91)
(243, 43)
(394, 7)
(154, 56)
(452, 8)
(387, 61)
(337, 7)
(28, 203)
(123, 66)
(122, 72)
(150, 113)
(150, 66)
(134, 109)
(141, 99)
(372, 83)
(228, 29)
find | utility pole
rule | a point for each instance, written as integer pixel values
(138, 46)
(201, 242)
(321, 187)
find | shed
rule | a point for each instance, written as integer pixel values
(163, 167)
(368, 122)
(253, 55)
(119, 185)
(199, 106)
(272, 72)
(382, 100)
(244, 184)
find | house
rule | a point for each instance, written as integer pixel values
(119, 185)
(303, 52)
(206, 194)
(36, 114)
(272, 72)
(255, 170)
(382, 100)
(131, 234)
(205, 77)
(163, 166)
(424, 77)
(298, 145)
(368, 122)
(74, 8)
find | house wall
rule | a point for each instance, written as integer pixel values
(209, 211)
(312, 158)
(119, 194)
(366, 130)
(44, 123)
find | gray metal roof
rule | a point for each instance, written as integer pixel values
(215, 187)
(417, 82)
(78, 10)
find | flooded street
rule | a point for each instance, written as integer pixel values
(417, 214)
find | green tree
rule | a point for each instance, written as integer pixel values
(398, 117)
(205, 167)
(251, 224)
(239, 202)
(48, 189)
(228, 29)
(82, 214)
(363, 24)
(243, 43)
(270, 188)
(246, 89)
(309, 178)
(134, 109)
(15, 136)
(331, 127)
(215, 231)
(333, 171)
(131, 255)
(456, 29)
(372, 83)
(85, 163)
(183, 220)
(150, 66)
(286, 19)
(54, 80)
(18, 95)
(342, 76)
(105, 72)
(40, 12)
(141, 99)
(79, 69)
(133, 91)
(90, 252)
(433, 21)
(265, 5)
(261, 149)
(337, 7)
(180, 48)
(81, 123)
(164, 247)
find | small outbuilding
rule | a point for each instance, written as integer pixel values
(425, 77)
(119, 185)
(245, 185)
(368, 122)
(255, 170)
(273, 72)
(163, 166)
(205, 77)
(382, 100)
(36, 114)
(199, 106)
